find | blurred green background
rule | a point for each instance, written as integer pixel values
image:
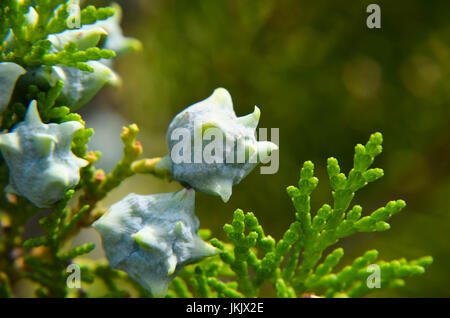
(326, 81)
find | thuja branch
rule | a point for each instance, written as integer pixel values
(98, 185)
(47, 265)
(293, 264)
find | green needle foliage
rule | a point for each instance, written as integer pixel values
(297, 265)
(31, 44)
(44, 259)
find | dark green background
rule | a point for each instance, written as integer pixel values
(326, 81)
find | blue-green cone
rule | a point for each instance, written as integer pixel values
(240, 151)
(152, 237)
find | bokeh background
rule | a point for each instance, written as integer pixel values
(326, 81)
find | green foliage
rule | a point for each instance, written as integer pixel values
(51, 273)
(25, 31)
(28, 45)
(295, 265)
(31, 45)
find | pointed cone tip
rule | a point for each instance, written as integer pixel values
(202, 249)
(97, 30)
(251, 120)
(10, 141)
(32, 116)
(100, 225)
(171, 264)
(12, 69)
(158, 288)
(133, 45)
(210, 250)
(265, 149)
(9, 74)
(114, 79)
(117, 12)
(222, 97)
(81, 162)
(70, 127)
(267, 145)
(105, 75)
(257, 112)
(223, 189)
